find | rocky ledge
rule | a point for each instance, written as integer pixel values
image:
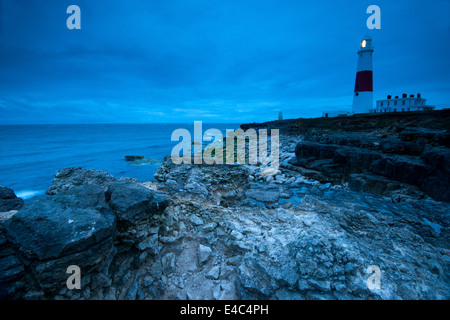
(404, 155)
(406, 165)
(222, 232)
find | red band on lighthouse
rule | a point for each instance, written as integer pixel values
(364, 81)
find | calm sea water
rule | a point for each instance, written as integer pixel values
(30, 154)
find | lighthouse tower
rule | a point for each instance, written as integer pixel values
(363, 96)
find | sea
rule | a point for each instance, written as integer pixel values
(31, 154)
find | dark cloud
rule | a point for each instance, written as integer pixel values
(216, 61)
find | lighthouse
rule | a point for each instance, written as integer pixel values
(363, 95)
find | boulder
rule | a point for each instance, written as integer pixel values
(67, 229)
(254, 281)
(213, 273)
(133, 202)
(9, 200)
(133, 158)
(12, 270)
(204, 252)
(75, 176)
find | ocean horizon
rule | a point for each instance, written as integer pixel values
(30, 154)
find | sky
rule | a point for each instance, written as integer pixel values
(233, 61)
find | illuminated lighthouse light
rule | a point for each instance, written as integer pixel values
(363, 44)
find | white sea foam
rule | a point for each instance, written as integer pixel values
(27, 194)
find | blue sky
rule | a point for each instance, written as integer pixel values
(210, 60)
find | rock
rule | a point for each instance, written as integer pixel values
(382, 186)
(133, 158)
(339, 156)
(196, 188)
(287, 205)
(169, 240)
(12, 270)
(254, 280)
(320, 285)
(84, 196)
(148, 280)
(60, 231)
(216, 180)
(236, 235)
(132, 291)
(213, 273)
(150, 243)
(318, 248)
(263, 196)
(195, 220)
(234, 261)
(209, 227)
(168, 263)
(76, 224)
(132, 202)
(75, 176)
(204, 252)
(8, 200)
(438, 158)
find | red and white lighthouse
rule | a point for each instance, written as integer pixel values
(363, 95)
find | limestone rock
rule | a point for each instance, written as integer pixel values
(133, 202)
(63, 230)
(204, 252)
(76, 176)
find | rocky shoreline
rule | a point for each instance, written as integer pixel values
(228, 232)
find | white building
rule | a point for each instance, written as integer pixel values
(332, 114)
(403, 104)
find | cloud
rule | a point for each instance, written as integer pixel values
(140, 61)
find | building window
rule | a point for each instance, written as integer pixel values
(403, 102)
(403, 109)
(408, 109)
(395, 103)
(381, 103)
